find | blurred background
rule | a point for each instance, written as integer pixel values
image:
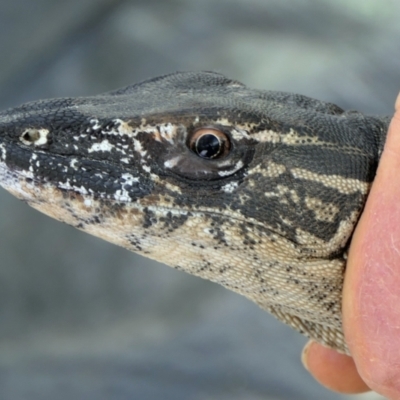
(83, 319)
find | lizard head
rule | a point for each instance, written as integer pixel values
(258, 191)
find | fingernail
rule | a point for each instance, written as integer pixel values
(304, 358)
(397, 105)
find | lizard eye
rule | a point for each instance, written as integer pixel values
(210, 143)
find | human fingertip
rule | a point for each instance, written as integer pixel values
(304, 354)
(397, 105)
(333, 370)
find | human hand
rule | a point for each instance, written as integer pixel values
(371, 294)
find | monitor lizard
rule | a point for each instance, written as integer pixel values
(258, 191)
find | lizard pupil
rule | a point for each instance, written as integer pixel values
(208, 146)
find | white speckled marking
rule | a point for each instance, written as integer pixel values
(3, 151)
(105, 145)
(230, 187)
(171, 163)
(237, 166)
(73, 163)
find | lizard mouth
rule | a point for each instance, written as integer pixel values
(80, 206)
(76, 190)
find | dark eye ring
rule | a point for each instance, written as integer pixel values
(210, 143)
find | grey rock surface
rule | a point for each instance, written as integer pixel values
(82, 319)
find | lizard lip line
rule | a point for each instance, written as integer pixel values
(136, 204)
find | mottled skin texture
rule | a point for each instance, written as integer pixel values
(270, 219)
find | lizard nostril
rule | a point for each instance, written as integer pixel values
(34, 136)
(30, 136)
